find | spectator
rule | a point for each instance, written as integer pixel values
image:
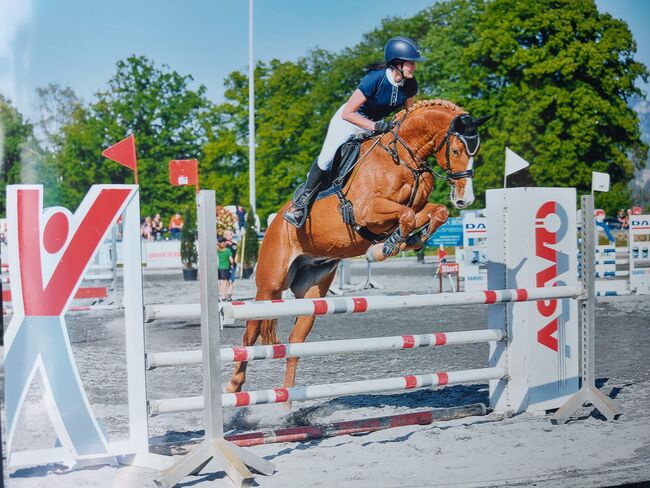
(175, 226)
(232, 245)
(620, 216)
(626, 219)
(146, 229)
(241, 218)
(157, 228)
(225, 263)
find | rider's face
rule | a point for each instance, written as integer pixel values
(409, 69)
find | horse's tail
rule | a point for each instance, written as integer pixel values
(268, 331)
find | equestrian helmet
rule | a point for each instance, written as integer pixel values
(402, 48)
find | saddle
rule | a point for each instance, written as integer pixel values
(345, 159)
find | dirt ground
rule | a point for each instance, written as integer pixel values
(481, 451)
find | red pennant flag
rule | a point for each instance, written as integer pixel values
(124, 153)
(184, 172)
(442, 254)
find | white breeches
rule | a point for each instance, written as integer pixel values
(338, 132)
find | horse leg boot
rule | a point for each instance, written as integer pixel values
(297, 214)
(427, 221)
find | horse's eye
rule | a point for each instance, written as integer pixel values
(455, 152)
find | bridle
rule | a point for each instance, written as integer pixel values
(470, 140)
(471, 143)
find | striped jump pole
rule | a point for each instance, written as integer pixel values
(301, 393)
(323, 348)
(349, 427)
(239, 310)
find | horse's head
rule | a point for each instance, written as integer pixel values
(455, 154)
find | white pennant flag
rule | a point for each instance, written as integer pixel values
(599, 181)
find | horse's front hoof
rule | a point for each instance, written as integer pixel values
(233, 387)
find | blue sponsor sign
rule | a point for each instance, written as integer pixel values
(449, 234)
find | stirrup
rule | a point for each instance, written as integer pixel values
(296, 221)
(391, 243)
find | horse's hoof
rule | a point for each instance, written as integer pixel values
(232, 388)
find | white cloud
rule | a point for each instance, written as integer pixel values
(14, 14)
(642, 107)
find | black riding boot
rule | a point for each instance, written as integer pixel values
(297, 214)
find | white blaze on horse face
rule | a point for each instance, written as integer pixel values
(462, 193)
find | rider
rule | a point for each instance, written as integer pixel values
(386, 88)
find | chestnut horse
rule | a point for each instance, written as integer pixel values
(389, 190)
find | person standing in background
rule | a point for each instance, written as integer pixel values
(232, 245)
(241, 218)
(226, 261)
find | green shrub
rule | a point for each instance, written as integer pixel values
(189, 254)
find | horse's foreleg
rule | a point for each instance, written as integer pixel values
(304, 325)
(381, 211)
(386, 212)
(432, 214)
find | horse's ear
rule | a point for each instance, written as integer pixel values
(482, 120)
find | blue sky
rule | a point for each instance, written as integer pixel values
(77, 43)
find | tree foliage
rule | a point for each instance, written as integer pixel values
(189, 253)
(558, 76)
(22, 158)
(165, 114)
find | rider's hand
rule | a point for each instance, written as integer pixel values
(383, 126)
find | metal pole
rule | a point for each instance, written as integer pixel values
(251, 111)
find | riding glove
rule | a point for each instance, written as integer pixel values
(383, 126)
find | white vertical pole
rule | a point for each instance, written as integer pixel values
(231, 458)
(134, 326)
(210, 318)
(114, 257)
(251, 111)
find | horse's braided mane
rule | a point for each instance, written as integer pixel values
(446, 104)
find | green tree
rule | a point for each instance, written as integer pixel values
(189, 253)
(56, 106)
(251, 242)
(22, 159)
(164, 113)
(557, 75)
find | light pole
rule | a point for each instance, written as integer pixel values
(251, 111)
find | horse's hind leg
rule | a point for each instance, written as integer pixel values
(271, 278)
(303, 325)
